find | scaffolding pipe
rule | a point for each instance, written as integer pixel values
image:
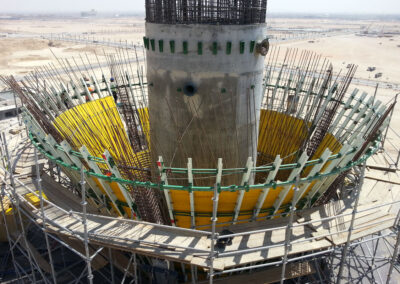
(395, 255)
(278, 228)
(111, 265)
(345, 249)
(16, 198)
(135, 268)
(289, 228)
(3, 195)
(214, 235)
(127, 269)
(46, 237)
(84, 222)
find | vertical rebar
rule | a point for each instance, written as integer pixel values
(353, 216)
(376, 91)
(85, 230)
(17, 110)
(387, 129)
(39, 184)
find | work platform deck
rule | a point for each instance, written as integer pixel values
(314, 230)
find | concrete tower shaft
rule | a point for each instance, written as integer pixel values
(205, 85)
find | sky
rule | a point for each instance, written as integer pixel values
(274, 6)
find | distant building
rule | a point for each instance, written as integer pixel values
(91, 13)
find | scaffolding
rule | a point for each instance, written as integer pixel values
(58, 233)
(359, 250)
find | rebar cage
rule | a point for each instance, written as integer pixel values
(226, 12)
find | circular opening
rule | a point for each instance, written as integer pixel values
(190, 89)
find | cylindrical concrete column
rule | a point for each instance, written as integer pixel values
(205, 84)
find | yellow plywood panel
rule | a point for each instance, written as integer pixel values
(117, 191)
(201, 221)
(183, 221)
(203, 202)
(99, 185)
(180, 200)
(223, 219)
(98, 126)
(227, 201)
(280, 134)
(251, 198)
(96, 180)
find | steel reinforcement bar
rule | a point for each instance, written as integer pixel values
(372, 150)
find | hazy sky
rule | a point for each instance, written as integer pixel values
(302, 6)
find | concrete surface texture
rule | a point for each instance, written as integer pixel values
(205, 100)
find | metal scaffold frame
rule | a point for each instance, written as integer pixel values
(25, 220)
(354, 256)
(209, 257)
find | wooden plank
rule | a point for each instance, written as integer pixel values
(262, 255)
(357, 234)
(179, 255)
(343, 224)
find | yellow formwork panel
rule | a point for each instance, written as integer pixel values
(183, 221)
(280, 134)
(329, 142)
(117, 191)
(180, 202)
(99, 185)
(276, 138)
(251, 198)
(203, 204)
(98, 126)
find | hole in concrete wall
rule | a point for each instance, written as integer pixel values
(190, 89)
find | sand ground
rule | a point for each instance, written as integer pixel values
(22, 49)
